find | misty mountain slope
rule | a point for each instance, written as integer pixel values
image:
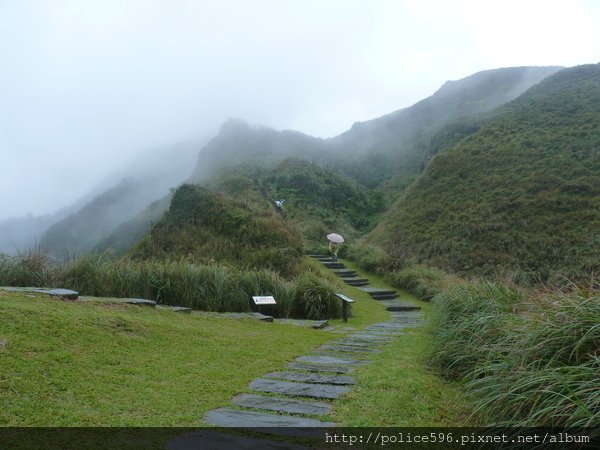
(380, 149)
(241, 143)
(117, 200)
(124, 236)
(207, 226)
(394, 145)
(521, 194)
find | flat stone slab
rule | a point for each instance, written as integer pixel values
(233, 315)
(316, 324)
(383, 331)
(220, 441)
(375, 290)
(52, 292)
(311, 378)
(285, 405)
(226, 417)
(348, 348)
(298, 389)
(326, 360)
(370, 337)
(354, 343)
(324, 368)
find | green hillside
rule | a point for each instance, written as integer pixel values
(522, 194)
(207, 226)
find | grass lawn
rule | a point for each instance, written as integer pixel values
(76, 364)
(96, 364)
(398, 388)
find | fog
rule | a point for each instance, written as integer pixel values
(88, 86)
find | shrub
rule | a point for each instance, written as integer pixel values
(315, 298)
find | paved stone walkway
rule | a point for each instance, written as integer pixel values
(301, 395)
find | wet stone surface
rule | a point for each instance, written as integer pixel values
(226, 417)
(286, 405)
(323, 368)
(326, 360)
(298, 389)
(311, 378)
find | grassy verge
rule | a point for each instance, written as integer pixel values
(398, 388)
(74, 364)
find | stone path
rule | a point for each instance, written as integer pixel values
(300, 396)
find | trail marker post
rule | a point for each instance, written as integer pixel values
(345, 301)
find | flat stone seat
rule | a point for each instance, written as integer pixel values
(326, 360)
(316, 324)
(298, 389)
(176, 309)
(279, 404)
(233, 315)
(222, 441)
(322, 368)
(139, 302)
(311, 378)
(227, 417)
(52, 292)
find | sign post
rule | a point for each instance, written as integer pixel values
(263, 300)
(345, 301)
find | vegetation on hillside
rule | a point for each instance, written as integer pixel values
(526, 360)
(208, 287)
(520, 196)
(205, 226)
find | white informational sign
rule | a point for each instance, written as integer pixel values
(343, 297)
(264, 300)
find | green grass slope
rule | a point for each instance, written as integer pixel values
(211, 227)
(522, 194)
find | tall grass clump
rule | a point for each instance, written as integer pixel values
(421, 281)
(526, 361)
(210, 287)
(315, 298)
(368, 257)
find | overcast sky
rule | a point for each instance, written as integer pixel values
(87, 85)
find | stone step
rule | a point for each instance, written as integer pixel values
(354, 343)
(379, 293)
(311, 378)
(318, 256)
(384, 296)
(298, 389)
(370, 337)
(285, 405)
(396, 306)
(227, 417)
(205, 439)
(345, 273)
(356, 283)
(321, 368)
(326, 360)
(347, 348)
(333, 265)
